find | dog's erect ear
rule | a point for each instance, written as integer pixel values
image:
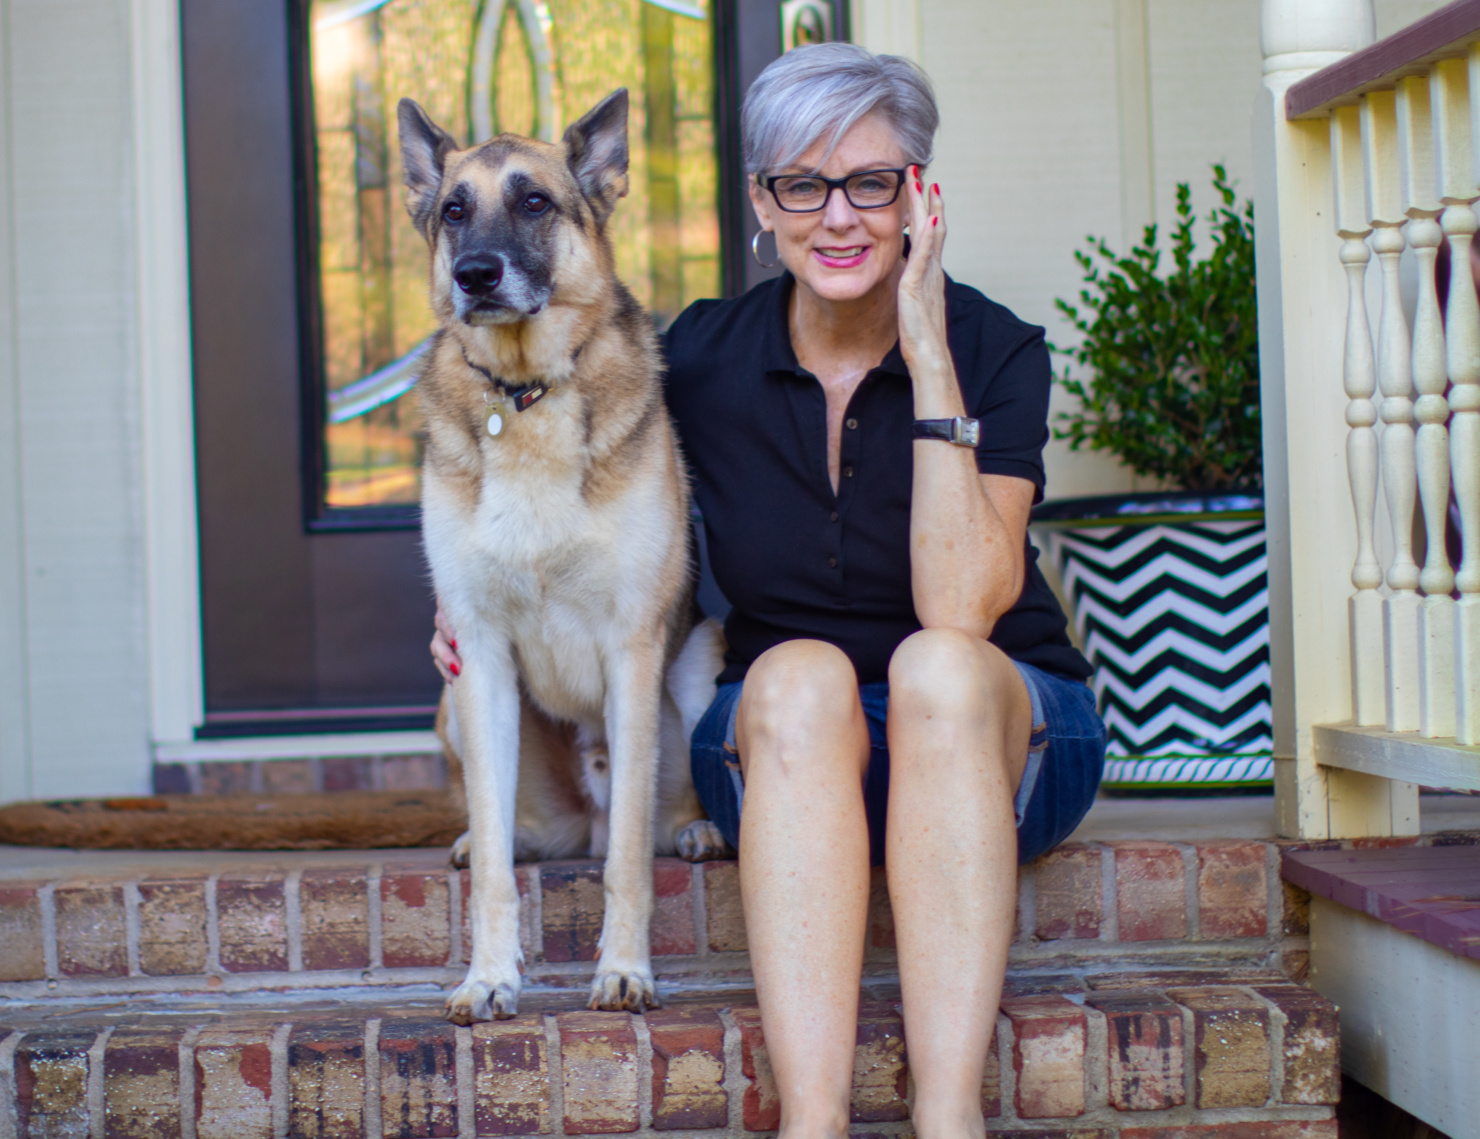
(596, 149)
(424, 150)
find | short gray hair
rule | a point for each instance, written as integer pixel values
(820, 90)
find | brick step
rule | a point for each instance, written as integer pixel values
(113, 923)
(402, 761)
(1127, 1056)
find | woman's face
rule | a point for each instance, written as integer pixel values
(840, 252)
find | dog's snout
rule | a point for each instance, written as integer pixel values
(478, 274)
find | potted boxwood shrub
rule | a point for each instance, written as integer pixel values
(1169, 588)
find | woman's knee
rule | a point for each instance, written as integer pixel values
(795, 693)
(948, 674)
(946, 687)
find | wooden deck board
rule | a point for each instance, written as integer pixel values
(1430, 892)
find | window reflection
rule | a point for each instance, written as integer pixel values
(527, 66)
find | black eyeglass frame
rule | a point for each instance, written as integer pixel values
(768, 182)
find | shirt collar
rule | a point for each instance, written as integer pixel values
(777, 354)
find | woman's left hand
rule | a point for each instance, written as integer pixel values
(444, 647)
(922, 288)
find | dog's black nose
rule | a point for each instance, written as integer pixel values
(478, 274)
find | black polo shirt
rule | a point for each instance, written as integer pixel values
(794, 559)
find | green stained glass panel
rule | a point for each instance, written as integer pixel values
(547, 63)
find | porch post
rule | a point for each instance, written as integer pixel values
(1303, 298)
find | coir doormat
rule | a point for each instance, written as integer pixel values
(338, 820)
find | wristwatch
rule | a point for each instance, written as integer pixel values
(960, 430)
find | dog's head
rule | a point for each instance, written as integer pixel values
(501, 218)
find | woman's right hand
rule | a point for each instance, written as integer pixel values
(444, 648)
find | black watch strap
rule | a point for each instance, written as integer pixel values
(960, 430)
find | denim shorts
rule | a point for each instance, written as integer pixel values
(1066, 754)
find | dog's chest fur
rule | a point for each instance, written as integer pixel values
(564, 575)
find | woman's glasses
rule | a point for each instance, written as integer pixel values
(808, 193)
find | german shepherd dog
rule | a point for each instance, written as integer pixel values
(555, 512)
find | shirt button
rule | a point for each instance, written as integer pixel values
(847, 472)
(852, 424)
(832, 563)
(833, 517)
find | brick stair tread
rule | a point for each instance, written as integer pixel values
(121, 922)
(1123, 1060)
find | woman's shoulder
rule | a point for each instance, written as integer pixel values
(711, 324)
(990, 342)
(972, 310)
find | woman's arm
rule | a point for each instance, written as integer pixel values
(966, 529)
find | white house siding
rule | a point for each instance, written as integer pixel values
(73, 669)
(1394, 14)
(1204, 65)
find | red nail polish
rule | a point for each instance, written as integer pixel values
(452, 641)
(454, 669)
(935, 189)
(934, 221)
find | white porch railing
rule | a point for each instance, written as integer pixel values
(1377, 152)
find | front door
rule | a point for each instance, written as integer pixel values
(308, 289)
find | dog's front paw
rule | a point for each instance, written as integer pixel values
(618, 989)
(700, 841)
(475, 1000)
(460, 855)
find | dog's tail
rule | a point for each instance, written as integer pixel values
(691, 675)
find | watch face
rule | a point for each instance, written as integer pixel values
(971, 432)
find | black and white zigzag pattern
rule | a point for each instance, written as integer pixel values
(1175, 620)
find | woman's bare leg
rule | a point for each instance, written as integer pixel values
(804, 872)
(959, 722)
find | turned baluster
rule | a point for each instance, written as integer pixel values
(1395, 378)
(1464, 436)
(1359, 380)
(1441, 151)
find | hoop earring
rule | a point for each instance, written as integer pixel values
(755, 250)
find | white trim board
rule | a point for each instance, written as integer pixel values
(1410, 1014)
(298, 747)
(172, 554)
(15, 702)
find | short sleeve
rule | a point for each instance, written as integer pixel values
(1008, 394)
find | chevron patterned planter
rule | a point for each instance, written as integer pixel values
(1170, 599)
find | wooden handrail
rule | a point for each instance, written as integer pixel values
(1407, 51)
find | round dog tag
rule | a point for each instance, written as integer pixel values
(495, 420)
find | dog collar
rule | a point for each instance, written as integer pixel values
(523, 398)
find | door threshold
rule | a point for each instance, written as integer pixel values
(320, 745)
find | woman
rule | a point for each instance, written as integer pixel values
(866, 443)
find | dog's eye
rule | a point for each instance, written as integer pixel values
(537, 203)
(453, 211)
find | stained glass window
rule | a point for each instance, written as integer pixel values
(479, 68)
